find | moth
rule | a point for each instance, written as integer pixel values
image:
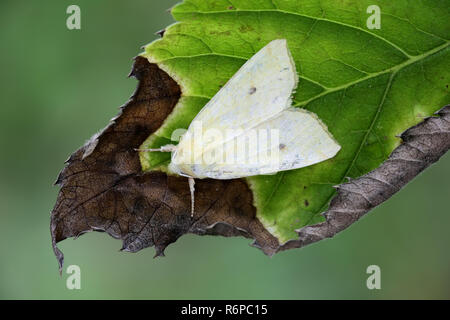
(250, 128)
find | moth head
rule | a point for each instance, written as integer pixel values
(181, 170)
(174, 168)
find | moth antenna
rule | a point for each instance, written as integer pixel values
(166, 148)
(148, 150)
(192, 190)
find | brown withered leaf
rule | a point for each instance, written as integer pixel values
(103, 188)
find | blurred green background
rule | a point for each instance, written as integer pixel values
(58, 87)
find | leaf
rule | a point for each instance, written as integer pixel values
(421, 146)
(104, 189)
(368, 86)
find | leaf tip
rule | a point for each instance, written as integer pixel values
(159, 252)
(58, 180)
(59, 257)
(161, 32)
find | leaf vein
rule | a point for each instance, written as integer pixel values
(304, 16)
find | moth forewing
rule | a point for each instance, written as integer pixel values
(260, 89)
(249, 127)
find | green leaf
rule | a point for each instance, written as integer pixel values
(368, 86)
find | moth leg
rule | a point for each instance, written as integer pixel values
(192, 190)
(166, 148)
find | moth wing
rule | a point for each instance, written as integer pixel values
(297, 138)
(260, 89)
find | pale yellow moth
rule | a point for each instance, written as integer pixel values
(229, 137)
